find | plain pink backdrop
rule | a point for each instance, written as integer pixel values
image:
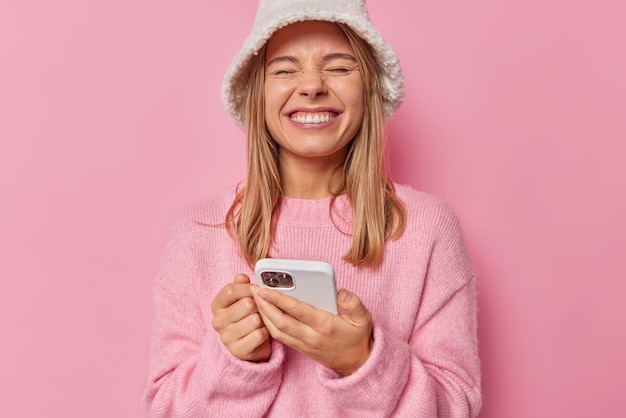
(111, 120)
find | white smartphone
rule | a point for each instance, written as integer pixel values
(312, 282)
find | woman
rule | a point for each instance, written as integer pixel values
(313, 85)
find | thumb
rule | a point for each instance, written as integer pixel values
(354, 310)
(241, 279)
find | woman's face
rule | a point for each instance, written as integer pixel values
(313, 91)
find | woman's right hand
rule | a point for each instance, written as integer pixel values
(237, 320)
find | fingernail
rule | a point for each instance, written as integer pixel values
(343, 296)
(255, 290)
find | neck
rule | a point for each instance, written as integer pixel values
(309, 178)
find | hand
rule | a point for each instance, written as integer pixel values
(237, 320)
(341, 342)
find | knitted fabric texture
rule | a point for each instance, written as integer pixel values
(424, 361)
(275, 14)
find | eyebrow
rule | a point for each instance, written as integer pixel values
(337, 56)
(293, 60)
(286, 58)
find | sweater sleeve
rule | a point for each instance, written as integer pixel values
(191, 373)
(436, 373)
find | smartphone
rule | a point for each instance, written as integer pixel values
(312, 282)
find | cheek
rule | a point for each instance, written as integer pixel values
(354, 100)
(276, 95)
(352, 94)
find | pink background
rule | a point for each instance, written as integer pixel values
(111, 120)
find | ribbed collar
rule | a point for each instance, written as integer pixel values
(316, 212)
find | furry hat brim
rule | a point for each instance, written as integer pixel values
(273, 15)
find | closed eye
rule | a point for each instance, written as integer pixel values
(282, 73)
(283, 66)
(341, 70)
(338, 70)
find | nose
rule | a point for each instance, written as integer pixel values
(311, 84)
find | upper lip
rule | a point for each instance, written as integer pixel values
(313, 110)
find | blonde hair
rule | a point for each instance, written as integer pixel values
(378, 213)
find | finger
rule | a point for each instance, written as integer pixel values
(251, 346)
(238, 330)
(274, 318)
(231, 293)
(264, 307)
(284, 327)
(241, 279)
(279, 330)
(354, 310)
(301, 311)
(224, 317)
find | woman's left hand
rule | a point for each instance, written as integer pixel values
(342, 342)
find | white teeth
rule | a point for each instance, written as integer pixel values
(311, 117)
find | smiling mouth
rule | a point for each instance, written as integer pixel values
(312, 117)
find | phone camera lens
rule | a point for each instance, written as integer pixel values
(285, 280)
(277, 279)
(269, 278)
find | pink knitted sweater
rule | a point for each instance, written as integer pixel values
(424, 361)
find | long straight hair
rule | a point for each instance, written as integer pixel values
(378, 213)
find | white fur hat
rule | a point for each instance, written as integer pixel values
(275, 14)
